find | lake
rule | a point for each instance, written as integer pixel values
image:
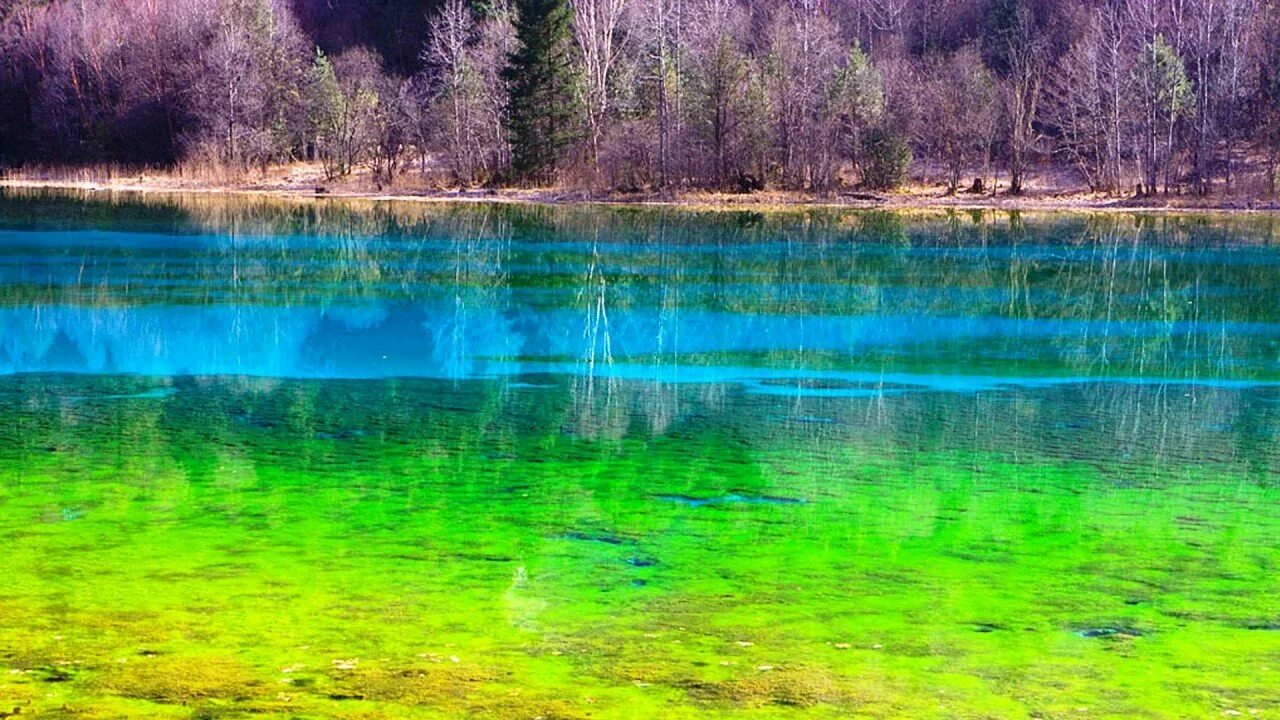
(345, 459)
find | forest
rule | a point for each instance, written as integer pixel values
(1125, 97)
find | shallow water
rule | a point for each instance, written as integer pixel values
(356, 460)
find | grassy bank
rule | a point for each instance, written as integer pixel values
(307, 180)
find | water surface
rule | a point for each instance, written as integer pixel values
(325, 459)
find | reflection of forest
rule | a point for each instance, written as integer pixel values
(322, 288)
(1125, 434)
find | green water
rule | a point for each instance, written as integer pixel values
(375, 461)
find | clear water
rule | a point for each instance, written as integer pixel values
(268, 458)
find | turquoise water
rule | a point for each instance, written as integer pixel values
(326, 459)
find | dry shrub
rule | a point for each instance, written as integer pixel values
(627, 155)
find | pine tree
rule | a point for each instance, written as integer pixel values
(540, 79)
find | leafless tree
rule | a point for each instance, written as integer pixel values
(1239, 31)
(655, 27)
(1025, 54)
(1264, 103)
(390, 132)
(723, 82)
(597, 27)
(449, 53)
(1205, 63)
(343, 100)
(804, 56)
(1087, 98)
(960, 112)
(249, 86)
(463, 89)
(725, 93)
(855, 104)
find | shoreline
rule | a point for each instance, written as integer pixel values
(687, 200)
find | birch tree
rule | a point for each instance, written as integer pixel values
(1087, 99)
(656, 27)
(449, 53)
(722, 83)
(597, 31)
(803, 60)
(1020, 53)
(1166, 96)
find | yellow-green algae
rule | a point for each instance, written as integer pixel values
(472, 552)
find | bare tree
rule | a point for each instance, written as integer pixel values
(855, 104)
(726, 93)
(344, 99)
(463, 90)
(1165, 96)
(1264, 104)
(803, 59)
(1240, 23)
(250, 84)
(1204, 61)
(1022, 53)
(884, 17)
(389, 128)
(655, 26)
(448, 51)
(596, 28)
(1087, 99)
(960, 112)
(722, 81)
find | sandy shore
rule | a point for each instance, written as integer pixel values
(907, 199)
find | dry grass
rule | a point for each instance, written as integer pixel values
(1049, 188)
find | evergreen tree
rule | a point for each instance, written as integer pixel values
(540, 79)
(1167, 95)
(855, 102)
